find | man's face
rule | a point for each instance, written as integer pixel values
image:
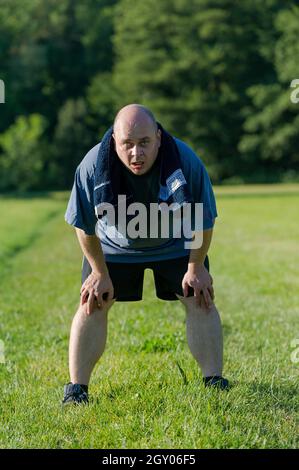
(137, 144)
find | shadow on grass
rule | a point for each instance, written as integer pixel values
(227, 329)
(283, 396)
(115, 392)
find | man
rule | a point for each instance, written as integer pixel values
(139, 160)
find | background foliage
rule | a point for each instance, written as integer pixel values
(216, 73)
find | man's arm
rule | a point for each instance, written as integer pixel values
(197, 275)
(98, 282)
(198, 255)
(92, 250)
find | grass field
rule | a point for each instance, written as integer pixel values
(141, 398)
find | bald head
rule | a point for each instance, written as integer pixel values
(137, 138)
(133, 115)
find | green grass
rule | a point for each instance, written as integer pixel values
(146, 389)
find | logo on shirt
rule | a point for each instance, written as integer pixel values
(175, 181)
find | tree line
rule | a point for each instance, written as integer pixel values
(216, 73)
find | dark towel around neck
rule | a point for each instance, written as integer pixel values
(107, 184)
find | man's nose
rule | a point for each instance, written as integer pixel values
(137, 151)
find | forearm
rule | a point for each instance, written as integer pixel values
(197, 256)
(92, 250)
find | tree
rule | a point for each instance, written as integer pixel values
(71, 141)
(50, 52)
(272, 122)
(192, 62)
(23, 153)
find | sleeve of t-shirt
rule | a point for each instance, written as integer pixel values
(80, 210)
(206, 196)
(200, 183)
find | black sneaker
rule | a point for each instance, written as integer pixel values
(75, 394)
(216, 381)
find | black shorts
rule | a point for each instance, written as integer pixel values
(127, 278)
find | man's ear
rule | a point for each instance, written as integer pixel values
(114, 140)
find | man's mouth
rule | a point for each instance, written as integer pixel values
(137, 164)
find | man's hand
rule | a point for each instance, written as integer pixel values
(201, 281)
(96, 289)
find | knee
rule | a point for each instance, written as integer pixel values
(96, 311)
(188, 302)
(192, 306)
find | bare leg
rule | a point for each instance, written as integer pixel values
(204, 336)
(87, 342)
